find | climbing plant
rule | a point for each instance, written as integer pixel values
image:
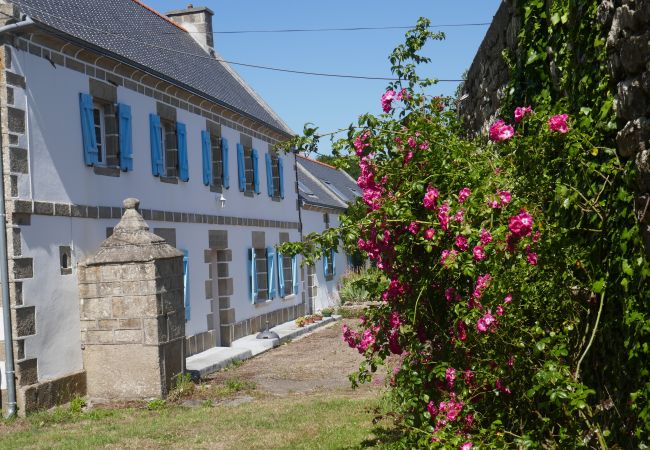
(515, 303)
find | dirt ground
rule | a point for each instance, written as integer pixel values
(314, 363)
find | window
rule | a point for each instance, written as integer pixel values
(336, 191)
(100, 132)
(287, 274)
(274, 175)
(168, 139)
(261, 279)
(168, 149)
(106, 133)
(248, 166)
(329, 264)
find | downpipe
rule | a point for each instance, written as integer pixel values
(10, 372)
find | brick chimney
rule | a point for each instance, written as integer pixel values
(198, 21)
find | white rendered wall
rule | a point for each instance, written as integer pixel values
(58, 174)
(328, 291)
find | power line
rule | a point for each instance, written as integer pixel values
(318, 30)
(203, 56)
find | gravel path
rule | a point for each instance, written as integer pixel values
(314, 363)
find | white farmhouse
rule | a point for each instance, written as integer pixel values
(325, 192)
(105, 100)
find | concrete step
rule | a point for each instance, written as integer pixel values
(217, 358)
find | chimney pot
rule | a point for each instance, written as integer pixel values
(197, 20)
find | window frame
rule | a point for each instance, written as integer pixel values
(99, 115)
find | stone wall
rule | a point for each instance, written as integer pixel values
(488, 75)
(628, 49)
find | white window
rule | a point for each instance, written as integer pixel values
(99, 121)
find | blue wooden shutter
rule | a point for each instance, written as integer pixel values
(88, 129)
(241, 168)
(333, 262)
(252, 275)
(270, 267)
(294, 273)
(181, 139)
(325, 263)
(256, 171)
(269, 174)
(205, 153)
(126, 139)
(281, 289)
(186, 284)
(281, 175)
(155, 131)
(224, 160)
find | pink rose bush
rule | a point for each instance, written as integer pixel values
(521, 112)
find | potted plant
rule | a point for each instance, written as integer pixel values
(300, 321)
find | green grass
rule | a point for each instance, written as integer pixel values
(292, 422)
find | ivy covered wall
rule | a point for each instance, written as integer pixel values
(494, 80)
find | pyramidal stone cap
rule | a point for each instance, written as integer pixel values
(132, 241)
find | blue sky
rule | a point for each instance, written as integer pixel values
(333, 103)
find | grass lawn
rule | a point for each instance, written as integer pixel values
(291, 422)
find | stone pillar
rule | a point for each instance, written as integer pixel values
(132, 312)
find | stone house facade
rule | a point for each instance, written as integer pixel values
(101, 101)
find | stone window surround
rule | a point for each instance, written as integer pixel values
(60, 52)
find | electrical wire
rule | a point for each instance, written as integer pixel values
(318, 30)
(236, 63)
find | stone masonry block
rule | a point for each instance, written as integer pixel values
(27, 372)
(25, 321)
(126, 324)
(96, 308)
(227, 316)
(218, 239)
(259, 240)
(107, 324)
(134, 306)
(224, 255)
(18, 160)
(23, 268)
(225, 286)
(128, 336)
(44, 208)
(16, 119)
(99, 337)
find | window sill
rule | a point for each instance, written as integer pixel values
(329, 277)
(107, 171)
(170, 180)
(286, 298)
(263, 303)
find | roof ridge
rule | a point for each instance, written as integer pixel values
(162, 16)
(318, 162)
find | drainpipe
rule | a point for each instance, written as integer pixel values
(10, 373)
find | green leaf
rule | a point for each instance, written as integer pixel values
(598, 286)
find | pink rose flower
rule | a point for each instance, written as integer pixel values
(521, 112)
(428, 233)
(433, 411)
(499, 310)
(521, 225)
(532, 258)
(411, 142)
(558, 123)
(414, 227)
(485, 236)
(424, 145)
(467, 446)
(387, 100)
(508, 299)
(461, 328)
(500, 131)
(450, 376)
(461, 243)
(505, 197)
(430, 198)
(463, 194)
(479, 253)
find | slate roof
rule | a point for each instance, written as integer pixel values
(129, 30)
(326, 185)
